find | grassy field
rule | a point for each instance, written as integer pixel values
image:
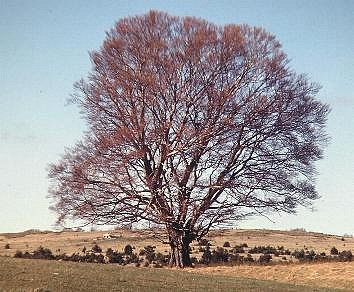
(42, 275)
(331, 275)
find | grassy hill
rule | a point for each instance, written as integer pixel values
(42, 275)
(70, 242)
(330, 274)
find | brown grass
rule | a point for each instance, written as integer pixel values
(42, 275)
(70, 242)
(331, 275)
(334, 274)
(289, 239)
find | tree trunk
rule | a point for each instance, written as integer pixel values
(179, 256)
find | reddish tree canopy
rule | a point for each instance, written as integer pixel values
(190, 125)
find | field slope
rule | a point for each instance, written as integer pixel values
(41, 275)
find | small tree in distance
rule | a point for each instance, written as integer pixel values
(190, 125)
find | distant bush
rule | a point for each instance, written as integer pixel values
(43, 253)
(18, 254)
(149, 253)
(39, 253)
(132, 258)
(345, 256)
(248, 259)
(7, 246)
(283, 251)
(204, 242)
(286, 252)
(263, 249)
(322, 257)
(88, 257)
(303, 255)
(310, 255)
(27, 255)
(219, 255)
(128, 249)
(276, 251)
(91, 258)
(226, 244)
(149, 257)
(162, 259)
(147, 249)
(237, 249)
(206, 257)
(236, 258)
(265, 259)
(299, 254)
(96, 249)
(114, 256)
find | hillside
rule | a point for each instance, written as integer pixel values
(70, 241)
(326, 274)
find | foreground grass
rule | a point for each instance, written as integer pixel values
(41, 275)
(323, 274)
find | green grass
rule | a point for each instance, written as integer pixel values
(42, 275)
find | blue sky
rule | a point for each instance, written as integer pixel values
(44, 49)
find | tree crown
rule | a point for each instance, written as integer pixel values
(190, 125)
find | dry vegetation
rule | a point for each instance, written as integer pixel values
(41, 275)
(332, 274)
(289, 239)
(70, 241)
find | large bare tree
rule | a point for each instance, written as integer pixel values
(190, 125)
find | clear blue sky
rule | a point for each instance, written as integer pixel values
(44, 49)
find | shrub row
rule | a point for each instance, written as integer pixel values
(95, 256)
(277, 251)
(303, 256)
(148, 255)
(222, 255)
